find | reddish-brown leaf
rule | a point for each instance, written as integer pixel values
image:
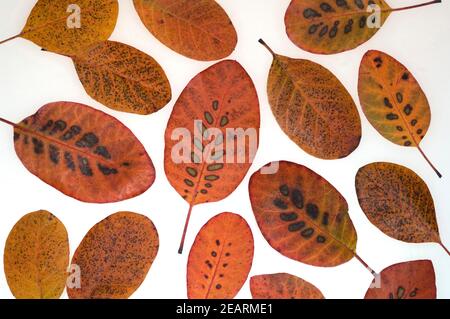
(408, 280)
(220, 259)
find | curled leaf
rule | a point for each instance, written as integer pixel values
(220, 258)
(282, 286)
(36, 257)
(198, 29)
(302, 216)
(114, 257)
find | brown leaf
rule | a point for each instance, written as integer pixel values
(302, 216)
(282, 286)
(220, 258)
(36, 257)
(313, 107)
(199, 29)
(408, 280)
(115, 256)
(123, 78)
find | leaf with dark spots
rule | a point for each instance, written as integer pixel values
(206, 160)
(408, 280)
(220, 258)
(83, 160)
(123, 78)
(282, 286)
(307, 239)
(393, 101)
(115, 256)
(36, 257)
(312, 107)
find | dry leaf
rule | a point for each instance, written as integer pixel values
(220, 258)
(36, 257)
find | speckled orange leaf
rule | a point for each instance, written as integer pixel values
(398, 202)
(313, 107)
(393, 100)
(215, 162)
(115, 256)
(198, 29)
(123, 78)
(333, 26)
(36, 257)
(220, 258)
(83, 152)
(282, 286)
(302, 216)
(408, 280)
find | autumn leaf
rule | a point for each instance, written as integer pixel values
(220, 258)
(282, 286)
(328, 27)
(312, 107)
(36, 257)
(302, 216)
(123, 78)
(114, 257)
(408, 280)
(393, 101)
(65, 26)
(84, 153)
(199, 30)
(212, 135)
(398, 202)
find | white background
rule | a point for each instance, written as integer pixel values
(30, 78)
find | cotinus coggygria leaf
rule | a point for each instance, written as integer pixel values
(36, 257)
(67, 26)
(220, 259)
(334, 26)
(282, 286)
(83, 152)
(123, 78)
(312, 107)
(199, 29)
(398, 202)
(114, 257)
(302, 216)
(393, 101)
(408, 280)
(212, 135)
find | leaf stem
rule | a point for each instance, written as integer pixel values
(416, 6)
(445, 248)
(183, 237)
(429, 162)
(8, 122)
(267, 47)
(365, 265)
(11, 38)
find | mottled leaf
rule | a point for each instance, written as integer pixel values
(313, 107)
(84, 153)
(408, 280)
(114, 257)
(393, 100)
(282, 286)
(198, 29)
(302, 216)
(220, 258)
(216, 120)
(36, 257)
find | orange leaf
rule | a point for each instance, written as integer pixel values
(220, 259)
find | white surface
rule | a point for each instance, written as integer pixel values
(31, 78)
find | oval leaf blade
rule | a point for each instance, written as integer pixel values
(66, 27)
(36, 257)
(282, 286)
(220, 258)
(408, 280)
(398, 202)
(123, 78)
(302, 216)
(200, 29)
(115, 256)
(84, 153)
